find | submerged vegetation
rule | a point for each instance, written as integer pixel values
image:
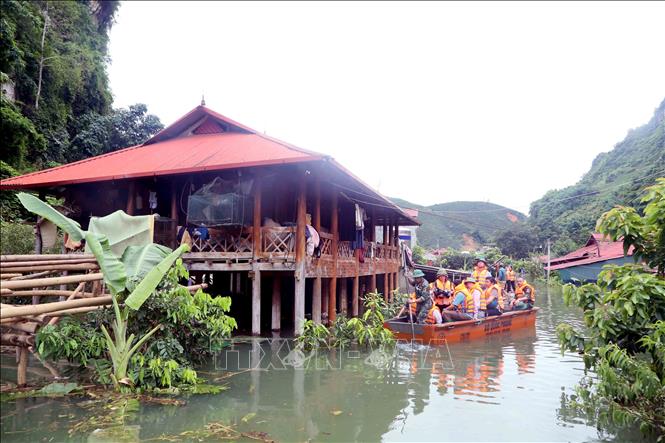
(624, 313)
(365, 331)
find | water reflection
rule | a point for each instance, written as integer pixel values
(508, 388)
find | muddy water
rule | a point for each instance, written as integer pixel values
(506, 389)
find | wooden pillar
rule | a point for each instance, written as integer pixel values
(385, 233)
(299, 302)
(276, 303)
(325, 290)
(332, 301)
(130, 197)
(391, 234)
(174, 203)
(355, 295)
(256, 226)
(316, 301)
(256, 300)
(343, 296)
(21, 371)
(372, 283)
(372, 225)
(394, 282)
(386, 289)
(396, 243)
(316, 217)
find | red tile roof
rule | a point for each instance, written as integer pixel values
(597, 249)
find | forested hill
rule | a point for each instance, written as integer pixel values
(56, 103)
(461, 225)
(615, 178)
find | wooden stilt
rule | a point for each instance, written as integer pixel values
(343, 298)
(174, 203)
(130, 197)
(316, 301)
(21, 373)
(386, 289)
(299, 302)
(325, 300)
(276, 303)
(372, 282)
(355, 295)
(332, 301)
(256, 301)
(256, 227)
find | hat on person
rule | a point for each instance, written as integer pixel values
(418, 273)
(441, 272)
(470, 280)
(482, 259)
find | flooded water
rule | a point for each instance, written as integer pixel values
(506, 389)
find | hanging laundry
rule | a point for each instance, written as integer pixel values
(152, 200)
(313, 239)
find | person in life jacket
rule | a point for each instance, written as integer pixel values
(525, 295)
(409, 306)
(510, 279)
(480, 271)
(493, 296)
(441, 289)
(423, 298)
(468, 303)
(434, 316)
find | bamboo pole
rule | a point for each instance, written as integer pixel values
(35, 257)
(65, 267)
(53, 281)
(46, 293)
(53, 307)
(10, 275)
(21, 379)
(42, 318)
(6, 292)
(79, 288)
(17, 340)
(36, 275)
(9, 264)
(28, 326)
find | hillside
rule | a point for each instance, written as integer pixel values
(615, 178)
(461, 225)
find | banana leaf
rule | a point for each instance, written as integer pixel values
(43, 209)
(115, 276)
(152, 279)
(139, 260)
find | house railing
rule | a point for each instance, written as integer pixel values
(278, 242)
(325, 244)
(225, 242)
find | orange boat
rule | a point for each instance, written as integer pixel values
(462, 331)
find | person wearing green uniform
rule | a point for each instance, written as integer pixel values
(423, 297)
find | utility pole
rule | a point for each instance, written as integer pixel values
(549, 260)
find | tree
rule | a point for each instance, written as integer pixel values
(98, 134)
(624, 312)
(418, 254)
(517, 242)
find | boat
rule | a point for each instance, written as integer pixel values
(461, 331)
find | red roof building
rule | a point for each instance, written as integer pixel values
(262, 191)
(584, 263)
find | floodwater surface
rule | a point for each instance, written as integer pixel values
(509, 388)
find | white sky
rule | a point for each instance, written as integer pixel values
(430, 102)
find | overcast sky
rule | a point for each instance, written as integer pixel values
(427, 102)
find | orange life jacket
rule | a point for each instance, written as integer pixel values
(413, 306)
(436, 284)
(468, 305)
(510, 275)
(480, 276)
(488, 294)
(430, 315)
(519, 291)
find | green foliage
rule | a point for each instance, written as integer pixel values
(367, 331)
(618, 177)
(453, 221)
(517, 242)
(20, 139)
(624, 341)
(16, 238)
(71, 340)
(418, 254)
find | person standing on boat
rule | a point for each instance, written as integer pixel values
(493, 296)
(525, 295)
(423, 298)
(468, 303)
(510, 279)
(442, 289)
(501, 276)
(480, 271)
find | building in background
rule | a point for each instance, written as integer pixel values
(585, 264)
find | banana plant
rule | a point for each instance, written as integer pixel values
(150, 263)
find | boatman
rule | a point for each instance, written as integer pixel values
(423, 298)
(525, 295)
(480, 271)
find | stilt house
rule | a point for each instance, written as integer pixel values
(250, 202)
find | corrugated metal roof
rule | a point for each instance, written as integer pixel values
(597, 249)
(175, 156)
